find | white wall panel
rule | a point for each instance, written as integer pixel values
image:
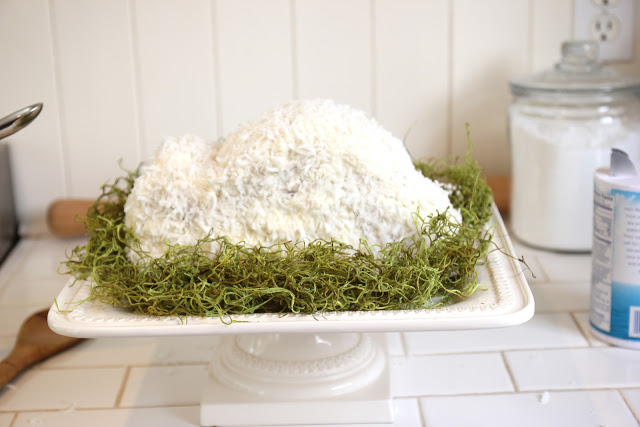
(490, 45)
(255, 58)
(94, 58)
(27, 77)
(412, 73)
(116, 76)
(549, 21)
(632, 67)
(175, 72)
(334, 51)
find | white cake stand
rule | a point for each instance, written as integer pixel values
(326, 368)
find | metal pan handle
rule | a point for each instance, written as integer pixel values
(18, 120)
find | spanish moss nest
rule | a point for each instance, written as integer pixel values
(434, 268)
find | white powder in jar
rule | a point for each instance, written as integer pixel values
(552, 169)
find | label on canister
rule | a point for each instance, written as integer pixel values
(615, 273)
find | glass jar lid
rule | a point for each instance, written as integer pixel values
(578, 72)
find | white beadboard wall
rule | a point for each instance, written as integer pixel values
(117, 76)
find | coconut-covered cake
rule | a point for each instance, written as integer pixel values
(313, 207)
(302, 171)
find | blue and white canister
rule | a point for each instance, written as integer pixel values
(615, 265)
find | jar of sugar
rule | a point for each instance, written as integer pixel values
(563, 124)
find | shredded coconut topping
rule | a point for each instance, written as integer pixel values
(303, 171)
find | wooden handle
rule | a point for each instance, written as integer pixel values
(501, 187)
(8, 371)
(63, 217)
(35, 342)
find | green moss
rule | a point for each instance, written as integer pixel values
(321, 276)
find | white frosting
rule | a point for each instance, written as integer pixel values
(302, 171)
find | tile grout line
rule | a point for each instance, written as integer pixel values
(629, 406)
(515, 350)
(16, 413)
(420, 412)
(584, 333)
(395, 397)
(101, 408)
(123, 385)
(405, 345)
(493, 351)
(128, 366)
(518, 392)
(558, 282)
(13, 420)
(512, 377)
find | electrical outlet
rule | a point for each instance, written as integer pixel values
(610, 22)
(605, 27)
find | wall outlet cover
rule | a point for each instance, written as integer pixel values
(610, 22)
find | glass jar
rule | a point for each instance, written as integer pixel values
(562, 126)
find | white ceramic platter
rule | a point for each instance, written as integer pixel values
(504, 300)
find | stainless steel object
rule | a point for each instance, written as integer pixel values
(8, 218)
(18, 120)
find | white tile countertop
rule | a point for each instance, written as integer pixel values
(546, 372)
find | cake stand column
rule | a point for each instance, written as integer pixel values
(297, 379)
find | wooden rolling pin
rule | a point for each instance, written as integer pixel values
(63, 216)
(501, 187)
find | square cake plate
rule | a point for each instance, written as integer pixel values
(299, 369)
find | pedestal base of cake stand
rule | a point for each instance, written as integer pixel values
(298, 379)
